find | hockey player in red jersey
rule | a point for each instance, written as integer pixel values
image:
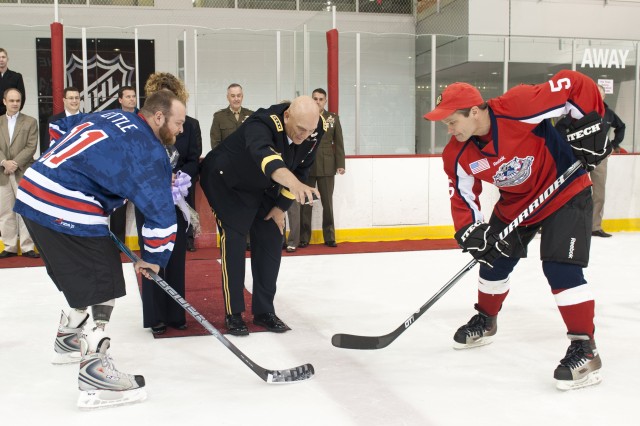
(509, 142)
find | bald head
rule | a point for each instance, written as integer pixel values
(301, 119)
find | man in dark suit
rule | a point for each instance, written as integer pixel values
(71, 101)
(250, 180)
(9, 79)
(227, 120)
(329, 162)
(18, 143)
(118, 220)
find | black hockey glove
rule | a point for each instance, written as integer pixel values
(484, 246)
(588, 139)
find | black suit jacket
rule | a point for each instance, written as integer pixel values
(189, 146)
(11, 79)
(236, 175)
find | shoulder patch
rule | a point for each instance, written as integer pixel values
(325, 126)
(277, 122)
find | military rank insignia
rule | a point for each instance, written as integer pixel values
(277, 122)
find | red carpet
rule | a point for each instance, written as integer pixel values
(203, 277)
(204, 293)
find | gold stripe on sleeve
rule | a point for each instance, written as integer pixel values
(285, 192)
(268, 159)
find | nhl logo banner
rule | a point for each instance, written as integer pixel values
(110, 66)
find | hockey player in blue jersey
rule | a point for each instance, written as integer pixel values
(66, 197)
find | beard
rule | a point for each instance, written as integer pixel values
(166, 137)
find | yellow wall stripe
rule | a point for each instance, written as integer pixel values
(397, 233)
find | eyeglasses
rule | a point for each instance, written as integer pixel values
(73, 98)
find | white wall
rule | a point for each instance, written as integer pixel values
(378, 193)
(556, 18)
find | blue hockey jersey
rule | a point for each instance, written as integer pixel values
(100, 160)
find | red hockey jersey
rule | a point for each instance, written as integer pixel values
(524, 153)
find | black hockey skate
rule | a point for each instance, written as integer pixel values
(581, 365)
(477, 332)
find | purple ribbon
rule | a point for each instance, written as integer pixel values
(179, 191)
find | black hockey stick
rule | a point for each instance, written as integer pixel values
(302, 372)
(350, 341)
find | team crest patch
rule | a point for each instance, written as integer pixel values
(514, 172)
(277, 122)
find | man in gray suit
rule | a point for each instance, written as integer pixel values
(227, 120)
(18, 143)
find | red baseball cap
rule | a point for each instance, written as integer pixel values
(456, 96)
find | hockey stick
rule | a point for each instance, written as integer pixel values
(302, 372)
(350, 341)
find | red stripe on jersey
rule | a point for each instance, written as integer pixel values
(57, 200)
(155, 243)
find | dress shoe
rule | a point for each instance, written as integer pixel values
(191, 246)
(179, 326)
(291, 249)
(32, 254)
(5, 254)
(270, 321)
(600, 233)
(330, 244)
(303, 244)
(159, 329)
(236, 325)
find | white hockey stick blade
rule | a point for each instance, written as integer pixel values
(302, 372)
(95, 399)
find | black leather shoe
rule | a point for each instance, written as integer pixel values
(6, 254)
(191, 246)
(236, 325)
(600, 233)
(330, 244)
(32, 254)
(179, 326)
(270, 321)
(303, 244)
(159, 329)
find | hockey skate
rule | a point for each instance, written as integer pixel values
(477, 332)
(67, 344)
(101, 385)
(581, 365)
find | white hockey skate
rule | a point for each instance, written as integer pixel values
(67, 343)
(101, 384)
(581, 365)
(478, 331)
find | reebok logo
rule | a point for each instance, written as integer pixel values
(584, 132)
(572, 246)
(61, 222)
(498, 161)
